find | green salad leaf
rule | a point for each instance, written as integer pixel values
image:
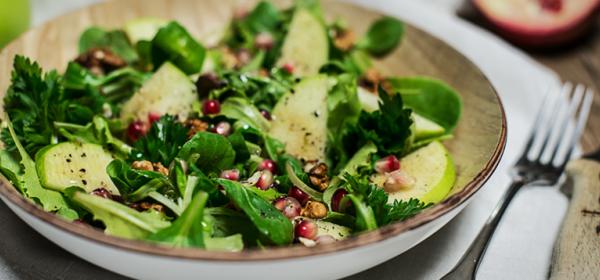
(114, 40)
(209, 152)
(96, 132)
(162, 142)
(120, 220)
(129, 180)
(430, 98)
(29, 183)
(188, 229)
(271, 223)
(382, 37)
(240, 109)
(173, 43)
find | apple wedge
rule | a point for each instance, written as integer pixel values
(434, 173)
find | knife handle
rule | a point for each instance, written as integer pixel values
(577, 250)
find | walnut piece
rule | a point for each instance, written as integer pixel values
(100, 61)
(195, 126)
(142, 165)
(344, 40)
(318, 176)
(158, 167)
(314, 210)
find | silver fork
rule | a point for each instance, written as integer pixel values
(541, 166)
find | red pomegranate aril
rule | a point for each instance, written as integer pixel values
(288, 67)
(266, 114)
(263, 40)
(153, 117)
(306, 228)
(398, 180)
(102, 192)
(136, 130)
(336, 199)
(265, 180)
(387, 164)
(289, 206)
(223, 128)
(268, 164)
(298, 194)
(231, 174)
(211, 107)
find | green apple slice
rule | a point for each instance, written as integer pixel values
(306, 46)
(338, 232)
(434, 173)
(143, 28)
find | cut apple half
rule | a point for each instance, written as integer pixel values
(539, 23)
(432, 169)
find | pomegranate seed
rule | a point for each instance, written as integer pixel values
(223, 128)
(265, 180)
(263, 40)
(387, 164)
(288, 67)
(266, 114)
(336, 199)
(136, 130)
(325, 239)
(231, 174)
(268, 164)
(397, 181)
(552, 5)
(211, 107)
(102, 192)
(153, 117)
(289, 206)
(298, 194)
(306, 229)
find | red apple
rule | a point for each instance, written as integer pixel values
(539, 23)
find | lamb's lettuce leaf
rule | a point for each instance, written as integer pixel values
(269, 221)
(382, 37)
(114, 40)
(120, 220)
(209, 152)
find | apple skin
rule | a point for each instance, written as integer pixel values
(540, 37)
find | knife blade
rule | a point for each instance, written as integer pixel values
(576, 253)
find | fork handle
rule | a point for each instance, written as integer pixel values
(577, 250)
(466, 268)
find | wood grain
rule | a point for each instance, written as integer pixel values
(577, 250)
(476, 148)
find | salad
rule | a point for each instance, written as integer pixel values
(283, 133)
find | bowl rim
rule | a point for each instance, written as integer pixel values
(9, 192)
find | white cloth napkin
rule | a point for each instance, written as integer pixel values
(522, 246)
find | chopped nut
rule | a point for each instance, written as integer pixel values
(318, 176)
(100, 61)
(371, 79)
(144, 206)
(314, 210)
(142, 165)
(344, 39)
(195, 126)
(158, 167)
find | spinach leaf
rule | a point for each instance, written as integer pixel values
(29, 183)
(382, 37)
(96, 132)
(162, 142)
(188, 229)
(268, 220)
(114, 40)
(120, 220)
(173, 43)
(430, 98)
(241, 110)
(209, 152)
(129, 180)
(242, 153)
(224, 222)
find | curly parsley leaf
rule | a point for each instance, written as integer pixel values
(162, 143)
(388, 128)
